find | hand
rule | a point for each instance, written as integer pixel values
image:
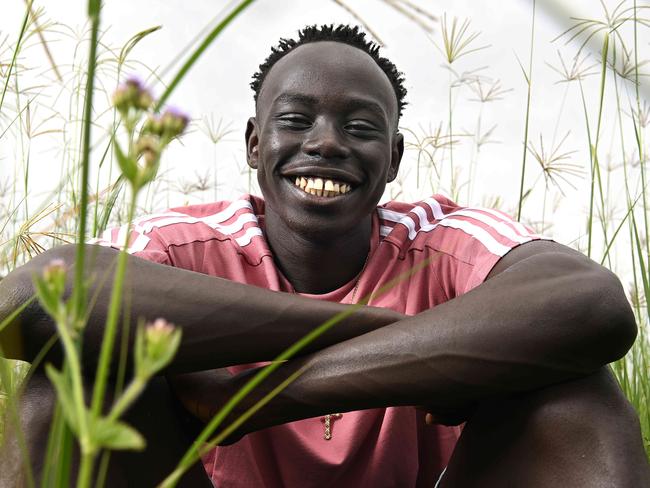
(448, 416)
(202, 393)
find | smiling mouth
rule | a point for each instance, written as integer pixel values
(321, 187)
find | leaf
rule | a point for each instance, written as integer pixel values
(110, 203)
(116, 435)
(48, 299)
(127, 165)
(64, 394)
(131, 43)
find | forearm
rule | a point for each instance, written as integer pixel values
(223, 322)
(522, 330)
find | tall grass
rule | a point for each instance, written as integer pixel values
(615, 229)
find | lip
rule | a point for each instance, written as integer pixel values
(324, 172)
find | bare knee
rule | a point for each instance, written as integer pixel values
(579, 433)
(31, 424)
(154, 415)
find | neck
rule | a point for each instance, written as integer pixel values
(315, 263)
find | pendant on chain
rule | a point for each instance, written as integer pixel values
(328, 420)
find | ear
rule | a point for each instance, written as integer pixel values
(252, 143)
(396, 157)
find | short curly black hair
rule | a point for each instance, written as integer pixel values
(346, 34)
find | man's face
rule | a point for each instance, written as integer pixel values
(324, 141)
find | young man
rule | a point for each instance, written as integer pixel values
(494, 326)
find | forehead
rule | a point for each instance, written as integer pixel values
(332, 72)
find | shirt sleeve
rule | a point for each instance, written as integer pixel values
(143, 243)
(476, 239)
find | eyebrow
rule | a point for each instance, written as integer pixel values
(351, 103)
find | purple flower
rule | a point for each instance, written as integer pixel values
(54, 270)
(132, 94)
(174, 122)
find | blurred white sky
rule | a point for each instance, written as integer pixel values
(218, 88)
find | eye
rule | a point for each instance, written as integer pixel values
(294, 121)
(361, 128)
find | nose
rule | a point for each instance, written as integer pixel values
(325, 140)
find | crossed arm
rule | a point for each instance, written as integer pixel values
(546, 314)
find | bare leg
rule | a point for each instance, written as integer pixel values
(581, 433)
(155, 415)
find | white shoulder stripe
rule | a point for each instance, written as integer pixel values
(139, 244)
(520, 228)
(422, 215)
(501, 227)
(246, 238)
(211, 220)
(479, 233)
(121, 235)
(438, 214)
(384, 230)
(107, 235)
(145, 224)
(144, 218)
(390, 215)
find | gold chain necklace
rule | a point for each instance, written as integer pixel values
(328, 420)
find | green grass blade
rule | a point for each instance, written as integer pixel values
(200, 50)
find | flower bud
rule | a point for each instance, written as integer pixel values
(156, 346)
(144, 100)
(50, 288)
(153, 125)
(158, 330)
(148, 147)
(54, 271)
(132, 95)
(174, 122)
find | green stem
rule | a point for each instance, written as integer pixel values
(12, 407)
(85, 470)
(72, 361)
(199, 51)
(529, 79)
(451, 136)
(595, 166)
(175, 476)
(127, 398)
(639, 137)
(79, 289)
(110, 329)
(12, 65)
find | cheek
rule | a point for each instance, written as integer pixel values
(276, 148)
(379, 164)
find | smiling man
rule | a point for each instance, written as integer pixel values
(494, 327)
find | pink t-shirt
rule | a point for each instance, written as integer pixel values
(371, 448)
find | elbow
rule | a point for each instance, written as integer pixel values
(15, 290)
(612, 320)
(24, 334)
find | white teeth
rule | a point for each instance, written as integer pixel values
(321, 187)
